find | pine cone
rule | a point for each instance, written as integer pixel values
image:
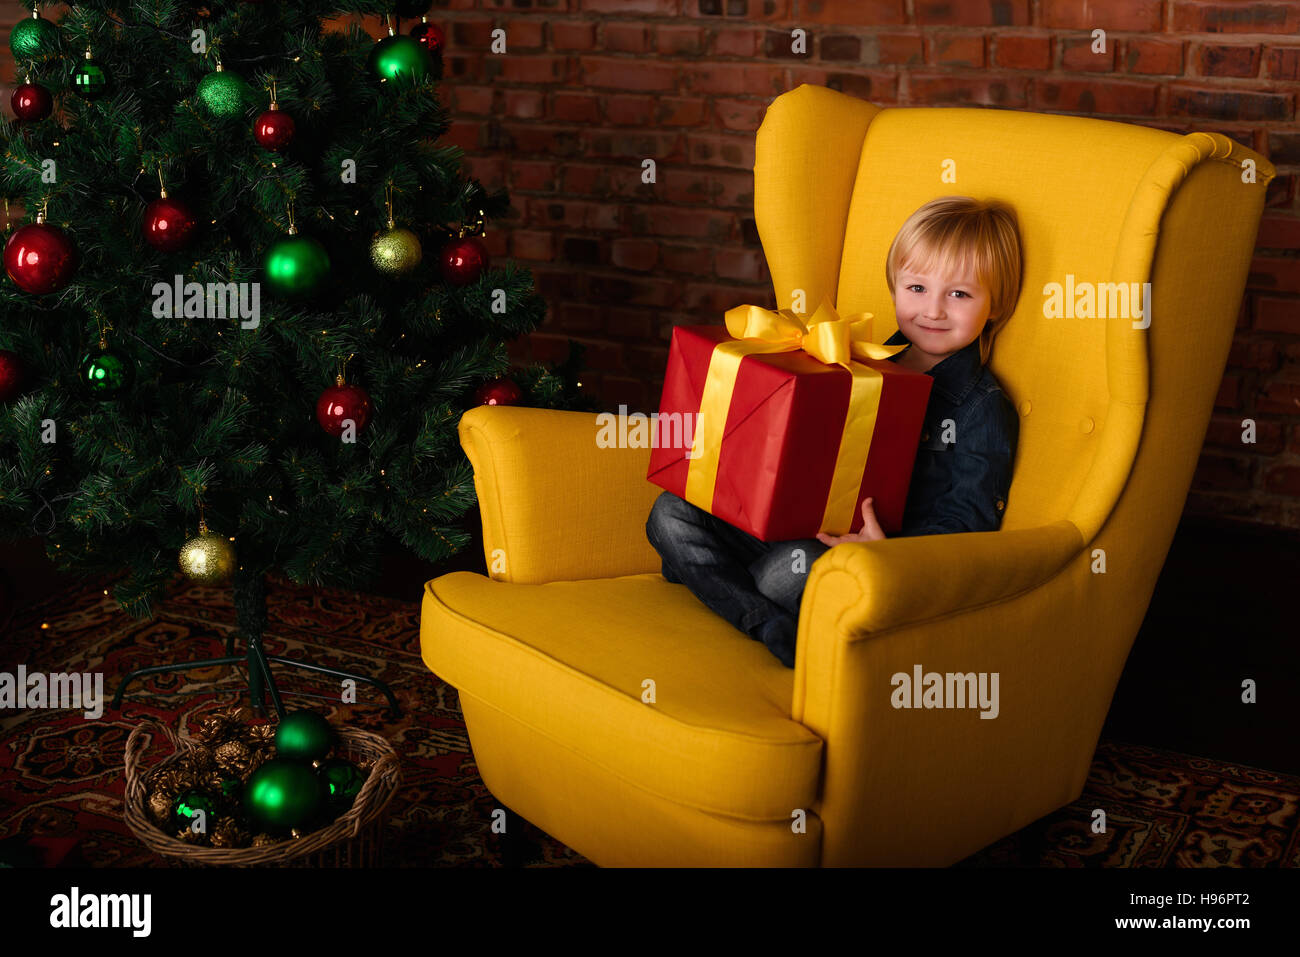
(190, 837)
(233, 757)
(160, 804)
(198, 759)
(228, 833)
(259, 735)
(222, 726)
(262, 840)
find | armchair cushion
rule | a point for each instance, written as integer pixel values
(718, 736)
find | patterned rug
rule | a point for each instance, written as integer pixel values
(61, 776)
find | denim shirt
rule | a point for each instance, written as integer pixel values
(961, 486)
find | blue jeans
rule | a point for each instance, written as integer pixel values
(755, 585)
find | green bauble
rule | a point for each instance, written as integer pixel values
(223, 94)
(343, 781)
(33, 36)
(399, 56)
(283, 794)
(90, 80)
(185, 806)
(296, 266)
(105, 374)
(303, 736)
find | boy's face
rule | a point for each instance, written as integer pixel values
(939, 315)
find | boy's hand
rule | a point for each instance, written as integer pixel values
(870, 529)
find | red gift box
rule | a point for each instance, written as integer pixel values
(778, 451)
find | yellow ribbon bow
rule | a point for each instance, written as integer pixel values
(827, 337)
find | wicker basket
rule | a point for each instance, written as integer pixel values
(354, 839)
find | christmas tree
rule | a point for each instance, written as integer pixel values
(249, 302)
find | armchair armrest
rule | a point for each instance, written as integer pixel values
(555, 505)
(909, 579)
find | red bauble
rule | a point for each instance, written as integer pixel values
(40, 258)
(498, 392)
(430, 36)
(463, 261)
(168, 224)
(32, 102)
(273, 129)
(12, 374)
(339, 402)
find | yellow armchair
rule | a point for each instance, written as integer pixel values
(616, 712)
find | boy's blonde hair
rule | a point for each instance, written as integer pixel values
(957, 234)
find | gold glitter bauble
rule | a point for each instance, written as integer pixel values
(395, 251)
(208, 557)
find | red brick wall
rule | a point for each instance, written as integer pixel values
(590, 88)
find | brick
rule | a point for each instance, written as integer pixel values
(466, 34)
(1224, 472)
(1282, 479)
(732, 79)
(743, 115)
(1022, 52)
(878, 86)
(632, 323)
(1278, 231)
(1277, 315)
(584, 180)
(689, 187)
(1197, 16)
(525, 69)
(680, 111)
(625, 38)
(531, 175)
(710, 302)
(525, 104)
(748, 265)
(643, 291)
(1229, 104)
(580, 250)
(580, 317)
(533, 140)
(1229, 395)
(855, 13)
(780, 44)
(1284, 63)
(690, 260)
(1108, 15)
(647, 360)
(1284, 146)
(640, 255)
(696, 223)
(840, 48)
(893, 49)
(1217, 59)
(600, 355)
(532, 244)
(572, 214)
(1077, 56)
(732, 189)
(956, 50)
(1280, 191)
(523, 35)
(1153, 57)
(680, 41)
(981, 90)
(628, 110)
(731, 42)
(1114, 97)
(463, 134)
(636, 395)
(622, 8)
(627, 74)
(573, 36)
(1274, 274)
(576, 107)
(1225, 432)
(637, 145)
(717, 150)
(1262, 355)
(973, 13)
(474, 99)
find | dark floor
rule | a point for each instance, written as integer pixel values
(1222, 612)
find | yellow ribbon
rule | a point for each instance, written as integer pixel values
(827, 337)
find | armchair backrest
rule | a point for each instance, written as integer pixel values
(835, 178)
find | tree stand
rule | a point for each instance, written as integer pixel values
(250, 613)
